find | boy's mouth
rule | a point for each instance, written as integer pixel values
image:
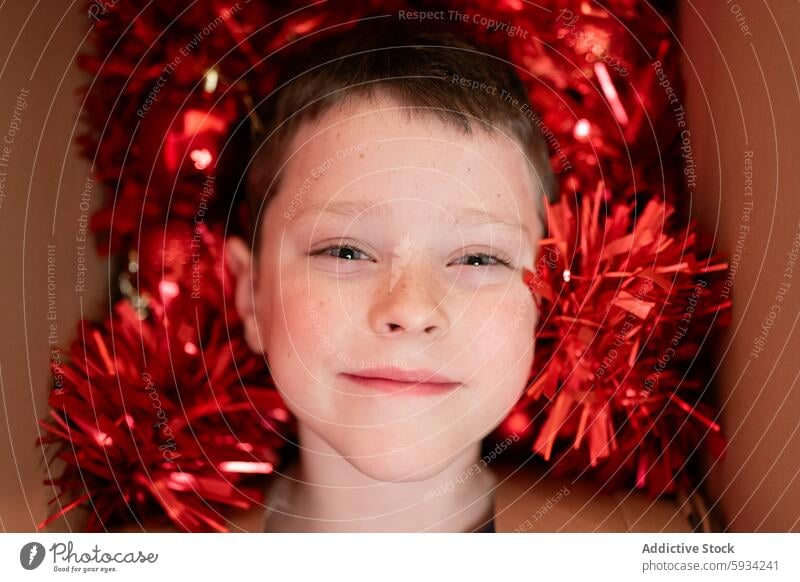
(394, 380)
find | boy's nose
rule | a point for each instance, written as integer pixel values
(409, 303)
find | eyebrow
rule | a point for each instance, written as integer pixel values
(351, 209)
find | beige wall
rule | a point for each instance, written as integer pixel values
(743, 96)
(727, 92)
(41, 207)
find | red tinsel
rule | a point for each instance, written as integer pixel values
(629, 303)
(165, 406)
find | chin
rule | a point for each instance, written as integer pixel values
(402, 463)
(404, 471)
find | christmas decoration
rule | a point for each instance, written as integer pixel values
(165, 407)
(161, 410)
(629, 303)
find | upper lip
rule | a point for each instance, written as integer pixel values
(400, 375)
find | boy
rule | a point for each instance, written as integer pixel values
(397, 197)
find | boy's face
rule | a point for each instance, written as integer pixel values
(415, 283)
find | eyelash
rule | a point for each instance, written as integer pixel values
(501, 260)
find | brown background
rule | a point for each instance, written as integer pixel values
(742, 94)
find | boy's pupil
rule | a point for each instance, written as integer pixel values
(346, 253)
(475, 260)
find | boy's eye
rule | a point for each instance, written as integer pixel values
(350, 253)
(476, 260)
(343, 252)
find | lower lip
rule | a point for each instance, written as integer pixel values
(408, 388)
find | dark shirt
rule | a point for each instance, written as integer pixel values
(488, 527)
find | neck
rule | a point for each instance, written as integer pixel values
(324, 492)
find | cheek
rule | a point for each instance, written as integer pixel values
(505, 335)
(300, 321)
(297, 347)
(301, 336)
(313, 313)
(506, 346)
(289, 311)
(504, 342)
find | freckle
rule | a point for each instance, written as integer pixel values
(360, 155)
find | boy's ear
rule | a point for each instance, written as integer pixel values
(239, 260)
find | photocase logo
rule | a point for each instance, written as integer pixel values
(401, 254)
(31, 555)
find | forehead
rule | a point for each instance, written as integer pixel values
(364, 154)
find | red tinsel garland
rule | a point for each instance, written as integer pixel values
(628, 302)
(614, 392)
(165, 405)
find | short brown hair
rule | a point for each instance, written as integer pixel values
(433, 72)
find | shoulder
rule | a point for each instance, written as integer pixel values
(529, 499)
